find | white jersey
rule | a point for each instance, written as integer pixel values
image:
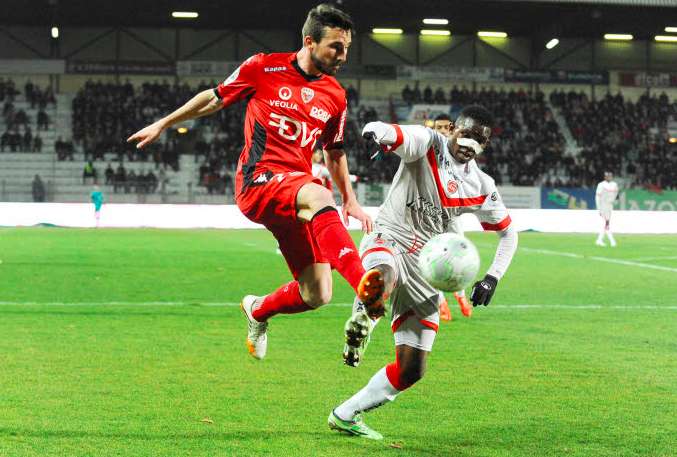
(606, 194)
(431, 189)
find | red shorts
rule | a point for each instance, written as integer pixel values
(273, 204)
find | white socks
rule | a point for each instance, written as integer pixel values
(377, 392)
(600, 238)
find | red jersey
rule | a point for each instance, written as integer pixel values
(288, 110)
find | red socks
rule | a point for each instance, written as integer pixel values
(393, 374)
(285, 300)
(336, 245)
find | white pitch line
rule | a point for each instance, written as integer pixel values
(346, 305)
(643, 259)
(599, 259)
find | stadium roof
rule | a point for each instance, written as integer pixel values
(573, 18)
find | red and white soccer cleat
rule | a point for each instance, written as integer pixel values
(445, 312)
(466, 307)
(370, 292)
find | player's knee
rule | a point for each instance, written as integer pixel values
(411, 373)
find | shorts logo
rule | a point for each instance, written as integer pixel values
(346, 250)
(307, 94)
(284, 93)
(452, 187)
(494, 196)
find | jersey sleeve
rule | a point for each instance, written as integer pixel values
(241, 83)
(493, 215)
(413, 141)
(332, 136)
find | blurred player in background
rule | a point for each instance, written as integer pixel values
(437, 181)
(293, 101)
(606, 194)
(443, 125)
(320, 170)
(96, 198)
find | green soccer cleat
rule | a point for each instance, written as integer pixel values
(358, 333)
(355, 427)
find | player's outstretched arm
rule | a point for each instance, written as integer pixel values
(337, 164)
(483, 290)
(205, 102)
(410, 142)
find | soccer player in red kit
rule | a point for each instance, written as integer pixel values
(293, 101)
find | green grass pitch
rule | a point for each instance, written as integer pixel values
(92, 365)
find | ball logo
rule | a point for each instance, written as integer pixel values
(284, 93)
(452, 187)
(307, 94)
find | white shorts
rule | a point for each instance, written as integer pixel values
(413, 332)
(606, 213)
(414, 302)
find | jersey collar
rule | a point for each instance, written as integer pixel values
(305, 75)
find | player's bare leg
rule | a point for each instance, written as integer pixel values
(315, 205)
(382, 388)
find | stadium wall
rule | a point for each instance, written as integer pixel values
(229, 217)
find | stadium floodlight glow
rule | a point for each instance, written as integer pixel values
(185, 14)
(382, 31)
(436, 21)
(618, 36)
(666, 38)
(672, 140)
(435, 32)
(182, 130)
(490, 34)
(55, 32)
(671, 29)
(552, 43)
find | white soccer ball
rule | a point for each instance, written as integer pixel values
(449, 262)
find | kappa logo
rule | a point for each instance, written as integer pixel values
(284, 93)
(307, 94)
(345, 251)
(452, 187)
(273, 69)
(261, 179)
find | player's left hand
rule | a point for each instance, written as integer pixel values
(353, 208)
(483, 290)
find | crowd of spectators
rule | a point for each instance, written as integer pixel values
(18, 134)
(628, 138)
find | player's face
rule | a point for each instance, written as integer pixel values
(443, 127)
(468, 129)
(332, 51)
(608, 176)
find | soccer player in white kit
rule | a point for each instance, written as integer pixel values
(437, 181)
(606, 194)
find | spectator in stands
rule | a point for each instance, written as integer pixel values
(109, 175)
(4, 141)
(38, 189)
(151, 182)
(353, 97)
(427, 94)
(416, 94)
(89, 172)
(120, 178)
(27, 140)
(43, 120)
(440, 99)
(131, 182)
(37, 143)
(407, 95)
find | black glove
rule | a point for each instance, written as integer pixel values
(374, 150)
(483, 290)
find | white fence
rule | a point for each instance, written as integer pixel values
(229, 216)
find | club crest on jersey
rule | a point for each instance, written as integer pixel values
(452, 187)
(284, 93)
(307, 94)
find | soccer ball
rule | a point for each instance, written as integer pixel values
(449, 262)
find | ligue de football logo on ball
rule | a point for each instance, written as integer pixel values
(284, 93)
(307, 94)
(452, 187)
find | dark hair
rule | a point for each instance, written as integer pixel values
(480, 114)
(325, 15)
(442, 117)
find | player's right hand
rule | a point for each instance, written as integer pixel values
(146, 135)
(374, 150)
